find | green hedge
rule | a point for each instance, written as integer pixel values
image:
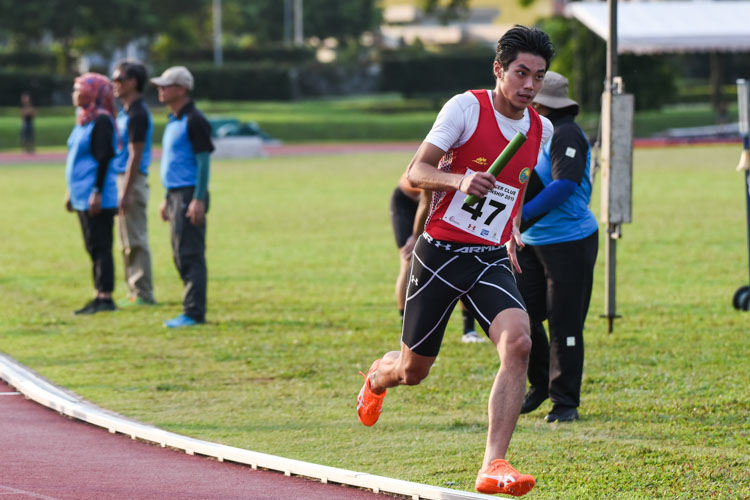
(263, 81)
(279, 82)
(45, 88)
(691, 93)
(46, 61)
(277, 54)
(427, 73)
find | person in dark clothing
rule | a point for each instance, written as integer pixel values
(28, 113)
(560, 234)
(186, 150)
(92, 189)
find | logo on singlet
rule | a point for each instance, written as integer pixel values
(524, 175)
(481, 161)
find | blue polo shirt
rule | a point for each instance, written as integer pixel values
(563, 158)
(87, 154)
(187, 133)
(134, 125)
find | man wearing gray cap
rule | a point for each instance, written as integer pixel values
(186, 149)
(561, 237)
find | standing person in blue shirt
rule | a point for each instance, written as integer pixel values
(92, 189)
(562, 239)
(135, 128)
(186, 149)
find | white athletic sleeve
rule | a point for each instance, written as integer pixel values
(458, 119)
(456, 122)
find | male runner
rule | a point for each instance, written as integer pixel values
(461, 255)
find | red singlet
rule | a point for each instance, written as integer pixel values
(477, 154)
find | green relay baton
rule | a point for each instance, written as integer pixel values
(502, 159)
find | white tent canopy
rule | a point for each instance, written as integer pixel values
(673, 26)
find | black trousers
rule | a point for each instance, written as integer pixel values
(97, 236)
(189, 252)
(556, 286)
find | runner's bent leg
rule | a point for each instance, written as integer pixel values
(400, 368)
(430, 297)
(510, 333)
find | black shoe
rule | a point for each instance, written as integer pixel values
(562, 414)
(533, 399)
(97, 305)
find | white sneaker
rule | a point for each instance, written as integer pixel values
(472, 337)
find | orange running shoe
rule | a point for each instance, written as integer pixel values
(369, 404)
(500, 477)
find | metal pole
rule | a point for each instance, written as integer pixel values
(612, 44)
(288, 22)
(298, 30)
(613, 230)
(747, 202)
(743, 109)
(218, 53)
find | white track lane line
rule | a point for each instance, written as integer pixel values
(7, 490)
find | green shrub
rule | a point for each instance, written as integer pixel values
(414, 73)
(28, 59)
(279, 82)
(45, 88)
(278, 54)
(263, 81)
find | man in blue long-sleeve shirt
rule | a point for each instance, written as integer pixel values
(186, 150)
(561, 237)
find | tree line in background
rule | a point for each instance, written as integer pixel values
(76, 26)
(44, 39)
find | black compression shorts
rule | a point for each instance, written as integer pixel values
(442, 273)
(403, 211)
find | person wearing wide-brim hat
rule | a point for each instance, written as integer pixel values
(561, 237)
(554, 94)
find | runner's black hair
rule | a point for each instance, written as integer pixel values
(523, 39)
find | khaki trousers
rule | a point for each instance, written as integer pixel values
(133, 230)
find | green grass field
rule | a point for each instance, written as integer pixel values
(386, 117)
(301, 270)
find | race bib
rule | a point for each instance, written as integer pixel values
(486, 218)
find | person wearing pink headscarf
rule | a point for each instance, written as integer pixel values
(92, 187)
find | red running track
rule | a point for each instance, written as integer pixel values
(44, 455)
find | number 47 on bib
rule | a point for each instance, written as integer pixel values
(487, 217)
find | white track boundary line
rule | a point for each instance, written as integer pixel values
(36, 388)
(15, 491)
